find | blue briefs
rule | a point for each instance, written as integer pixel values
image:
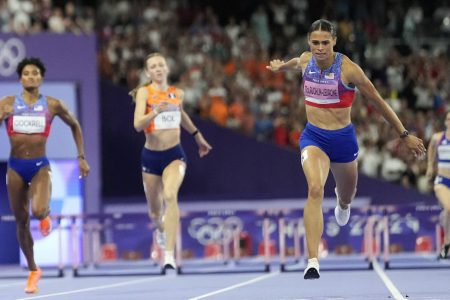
(340, 145)
(154, 162)
(442, 180)
(27, 168)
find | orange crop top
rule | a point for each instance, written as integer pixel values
(168, 119)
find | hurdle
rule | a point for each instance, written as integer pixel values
(60, 265)
(91, 232)
(403, 260)
(328, 261)
(297, 237)
(227, 264)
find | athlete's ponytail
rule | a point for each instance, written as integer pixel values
(133, 92)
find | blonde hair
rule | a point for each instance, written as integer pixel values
(133, 92)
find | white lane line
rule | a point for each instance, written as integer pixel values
(12, 283)
(260, 278)
(101, 287)
(387, 282)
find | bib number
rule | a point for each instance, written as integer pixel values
(168, 120)
(29, 124)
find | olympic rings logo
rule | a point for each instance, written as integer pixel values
(214, 229)
(11, 53)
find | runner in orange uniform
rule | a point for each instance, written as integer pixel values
(159, 113)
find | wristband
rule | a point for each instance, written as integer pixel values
(195, 132)
(404, 134)
(81, 156)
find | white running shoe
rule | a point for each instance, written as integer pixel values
(312, 269)
(169, 262)
(342, 215)
(160, 238)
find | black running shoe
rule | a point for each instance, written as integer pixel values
(444, 252)
(312, 269)
(311, 273)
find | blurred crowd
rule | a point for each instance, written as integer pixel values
(219, 60)
(34, 16)
(220, 64)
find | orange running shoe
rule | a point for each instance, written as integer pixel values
(45, 226)
(32, 283)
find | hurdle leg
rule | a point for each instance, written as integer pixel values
(236, 248)
(266, 224)
(60, 249)
(369, 238)
(386, 242)
(96, 245)
(297, 237)
(73, 227)
(282, 242)
(178, 250)
(226, 248)
(87, 255)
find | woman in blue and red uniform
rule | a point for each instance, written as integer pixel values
(439, 165)
(329, 139)
(159, 113)
(28, 118)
